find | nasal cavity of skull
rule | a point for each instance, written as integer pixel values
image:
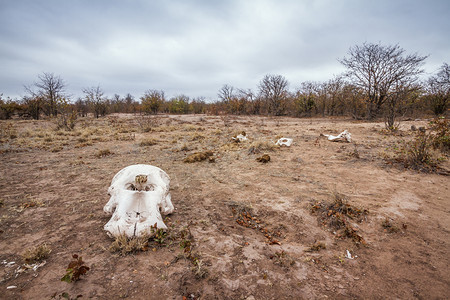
(140, 188)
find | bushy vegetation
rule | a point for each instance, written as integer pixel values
(380, 82)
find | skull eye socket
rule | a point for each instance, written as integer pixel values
(146, 188)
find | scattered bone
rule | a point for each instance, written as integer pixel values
(344, 136)
(139, 194)
(240, 137)
(349, 255)
(198, 156)
(284, 142)
(263, 159)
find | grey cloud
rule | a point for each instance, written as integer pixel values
(194, 47)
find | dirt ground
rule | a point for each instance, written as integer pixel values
(251, 227)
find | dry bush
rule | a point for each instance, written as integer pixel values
(418, 152)
(36, 254)
(441, 134)
(147, 123)
(245, 217)
(66, 121)
(337, 215)
(422, 152)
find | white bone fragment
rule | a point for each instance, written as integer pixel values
(349, 255)
(284, 142)
(240, 137)
(344, 136)
(139, 194)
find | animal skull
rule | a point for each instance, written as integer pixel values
(344, 136)
(284, 142)
(139, 194)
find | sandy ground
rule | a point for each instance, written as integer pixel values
(53, 187)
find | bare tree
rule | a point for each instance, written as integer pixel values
(439, 89)
(226, 93)
(334, 95)
(379, 69)
(49, 88)
(274, 90)
(129, 99)
(94, 98)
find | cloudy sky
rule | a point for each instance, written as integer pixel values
(194, 47)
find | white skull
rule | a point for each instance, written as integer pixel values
(139, 194)
(344, 136)
(284, 142)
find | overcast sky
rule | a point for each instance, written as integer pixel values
(195, 47)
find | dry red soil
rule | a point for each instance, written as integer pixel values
(249, 226)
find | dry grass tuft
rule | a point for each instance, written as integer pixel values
(263, 159)
(36, 254)
(316, 247)
(124, 245)
(389, 226)
(31, 203)
(261, 145)
(197, 136)
(103, 153)
(199, 156)
(148, 142)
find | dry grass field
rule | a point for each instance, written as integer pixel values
(319, 220)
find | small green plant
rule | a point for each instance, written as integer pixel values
(36, 254)
(186, 240)
(75, 269)
(199, 268)
(159, 234)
